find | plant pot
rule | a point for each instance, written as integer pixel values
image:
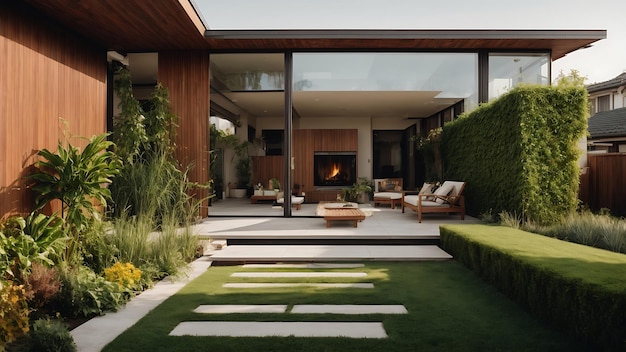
(363, 198)
(238, 192)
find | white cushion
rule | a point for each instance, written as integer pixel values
(412, 199)
(444, 190)
(294, 200)
(388, 195)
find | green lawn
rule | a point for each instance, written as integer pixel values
(450, 309)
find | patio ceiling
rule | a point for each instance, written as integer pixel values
(140, 25)
(394, 104)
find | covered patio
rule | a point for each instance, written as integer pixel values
(264, 224)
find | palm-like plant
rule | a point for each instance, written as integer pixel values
(78, 179)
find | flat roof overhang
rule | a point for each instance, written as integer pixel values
(143, 26)
(559, 42)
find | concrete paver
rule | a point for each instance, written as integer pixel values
(281, 285)
(306, 266)
(240, 308)
(358, 330)
(348, 309)
(295, 274)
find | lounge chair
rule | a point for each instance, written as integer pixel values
(446, 199)
(388, 190)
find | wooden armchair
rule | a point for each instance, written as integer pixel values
(446, 199)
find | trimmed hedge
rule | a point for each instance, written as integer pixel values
(579, 289)
(519, 153)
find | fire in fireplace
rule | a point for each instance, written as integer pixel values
(334, 169)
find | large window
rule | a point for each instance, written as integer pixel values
(439, 79)
(506, 71)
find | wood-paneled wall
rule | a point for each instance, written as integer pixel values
(603, 186)
(45, 74)
(186, 76)
(306, 143)
(265, 168)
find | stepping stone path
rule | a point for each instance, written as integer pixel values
(374, 330)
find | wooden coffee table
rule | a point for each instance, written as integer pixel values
(340, 212)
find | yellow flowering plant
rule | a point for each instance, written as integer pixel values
(13, 312)
(125, 274)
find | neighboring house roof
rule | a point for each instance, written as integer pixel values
(611, 123)
(612, 83)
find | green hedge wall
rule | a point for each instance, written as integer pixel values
(579, 289)
(519, 153)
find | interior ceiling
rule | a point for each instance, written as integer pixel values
(396, 104)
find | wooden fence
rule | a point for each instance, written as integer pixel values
(603, 184)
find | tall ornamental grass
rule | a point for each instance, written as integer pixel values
(595, 230)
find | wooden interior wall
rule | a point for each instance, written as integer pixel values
(605, 187)
(265, 168)
(186, 76)
(306, 143)
(45, 74)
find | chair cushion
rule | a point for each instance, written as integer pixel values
(388, 195)
(294, 200)
(444, 190)
(412, 199)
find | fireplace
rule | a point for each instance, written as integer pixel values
(334, 169)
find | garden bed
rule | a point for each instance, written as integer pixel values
(579, 289)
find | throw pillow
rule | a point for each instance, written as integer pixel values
(427, 188)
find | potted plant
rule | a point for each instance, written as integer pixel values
(359, 192)
(243, 167)
(275, 184)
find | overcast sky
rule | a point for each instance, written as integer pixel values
(604, 61)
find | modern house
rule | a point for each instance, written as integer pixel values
(607, 125)
(344, 102)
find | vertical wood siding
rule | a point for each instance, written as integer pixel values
(45, 74)
(604, 185)
(186, 76)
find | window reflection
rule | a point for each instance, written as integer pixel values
(450, 75)
(507, 71)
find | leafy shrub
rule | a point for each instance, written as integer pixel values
(45, 336)
(13, 312)
(85, 293)
(27, 240)
(76, 178)
(97, 252)
(124, 274)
